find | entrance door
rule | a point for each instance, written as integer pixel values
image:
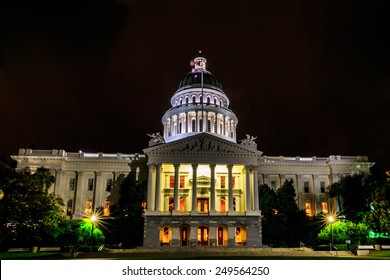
(203, 236)
(220, 236)
(184, 236)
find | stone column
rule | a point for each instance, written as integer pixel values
(158, 187)
(248, 188)
(256, 190)
(212, 190)
(175, 235)
(149, 202)
(78, 205)
(230, 190)
(176, 189)
(58, 182)
(194, 206)
(231, 235)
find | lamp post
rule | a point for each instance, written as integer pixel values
(331, 220)
(93, 220)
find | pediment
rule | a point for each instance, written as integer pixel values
(202, 144)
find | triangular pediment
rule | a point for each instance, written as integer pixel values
(202, 145)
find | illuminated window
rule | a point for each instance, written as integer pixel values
(182, 202)
(222, 236)
(184, 236)
(90, 184)
(234, 203)
(234, 182)
(324, 207)
(165, 235)
(69, 207)
(182, 185)
(171, 204)
(306, 187)
(109, 185)
(72, 184)
(308, 208)
(88, 208)
(106, 210)
(223, 204)
(171, 182)
(322, 187)
(203, 204)
(223, 182)
(240, 236)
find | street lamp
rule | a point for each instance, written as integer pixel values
(93, 220)
(331, 220)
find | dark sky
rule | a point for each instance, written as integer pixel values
(306, 77)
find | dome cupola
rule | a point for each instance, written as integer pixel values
(199, 105)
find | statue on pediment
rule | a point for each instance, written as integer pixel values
(156, 138)
(249, 141)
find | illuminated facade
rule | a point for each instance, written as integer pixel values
(86, 182)
(202, 186)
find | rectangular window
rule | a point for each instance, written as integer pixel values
(171, 182)
(109, 185)
(181, 204)
(322, 187)
(306, 187)
(223, 182)
(182, 185)
(308, 208)
(88, 208)
(203, 204)
(171, 204)
(69, 207)
(223, 204)
(234, 182)
(90, 184)
(324, 207)
(106, 211)
(72, 184)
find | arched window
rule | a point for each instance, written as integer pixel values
(208, 100)
(240, 236)
(186, 100)
(193, 99)
(215, 101)
(193, 125)
(181, 101)
(165, 235)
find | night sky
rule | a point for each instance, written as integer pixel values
(308, 77)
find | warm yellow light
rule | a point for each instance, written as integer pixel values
(331, 219)
(93, 218)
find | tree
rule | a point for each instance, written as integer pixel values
(28, 212)
(284, 224)
(378, 219)
(354, 194)
(129, 211)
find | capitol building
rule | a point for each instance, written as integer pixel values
(202, 183)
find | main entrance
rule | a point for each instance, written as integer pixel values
(203, 236)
